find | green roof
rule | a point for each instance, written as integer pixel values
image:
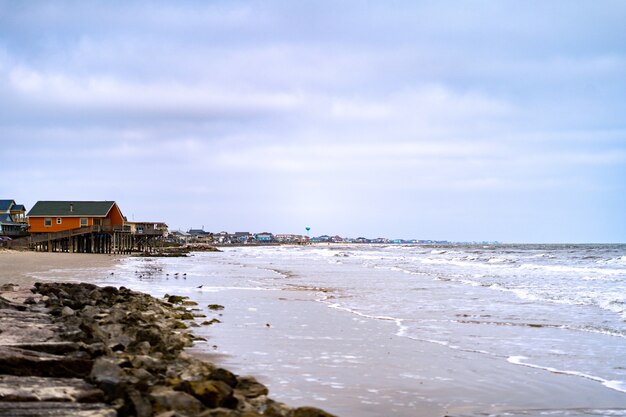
(71, 208)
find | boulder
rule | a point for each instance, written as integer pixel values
(211, 393)
(166, 399)
(249, 387)
(309, 412)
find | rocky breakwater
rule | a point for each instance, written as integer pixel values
(82, 350)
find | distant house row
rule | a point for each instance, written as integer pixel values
(244, 238)
(237, 238)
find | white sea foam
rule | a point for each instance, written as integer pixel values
(574, 269)
(228, 288)
(614, 385)
(497, 260)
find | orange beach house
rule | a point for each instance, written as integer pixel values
(58, 216)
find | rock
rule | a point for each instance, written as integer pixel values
(220, 412)
(166, 399)
(4, 303)
(309, 412)
(9, 287)
(276, 409)
(129, 347)
(55, 348)
(186, 316)
(22, 362)
(215, 307)
(107, 375)
(224, 375)
(141, 404)
(176, 299)
(55, 409)
(67, 311)
(146, 362)
(106, 370)
(22, 389)
(211, 393)
(249, 387)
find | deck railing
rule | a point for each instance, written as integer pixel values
(44, 237)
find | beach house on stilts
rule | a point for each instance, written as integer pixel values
(79, 226)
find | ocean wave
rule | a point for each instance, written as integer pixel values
(576, 269)
(499, 260)
(611, 384)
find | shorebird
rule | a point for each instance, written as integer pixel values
(199, 286)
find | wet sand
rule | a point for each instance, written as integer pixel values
(21, 267)
(357, 367)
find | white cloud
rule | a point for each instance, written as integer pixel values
(329, 109)
(103, 92)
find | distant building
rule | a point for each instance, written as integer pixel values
(12, 219)
(241, 237)
(289, 238)
(264, 237)
(221, 238)
(380, 240)
(200, 236)
(148, 228)
(197, 232)
(179, 236)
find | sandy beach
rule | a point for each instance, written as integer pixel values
(293, 320)
(20, 267)
(36, 380)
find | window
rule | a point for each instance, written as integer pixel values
(59, 220)
(47, 222)
(83, 222)
(97, 222)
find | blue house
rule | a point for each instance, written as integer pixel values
(12, 219)
(264, 237)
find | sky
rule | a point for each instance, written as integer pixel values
(460, 121)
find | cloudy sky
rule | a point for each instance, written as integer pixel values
(474, 120)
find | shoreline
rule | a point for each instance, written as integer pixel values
(101, 351)
(18, 276)
(350, 363)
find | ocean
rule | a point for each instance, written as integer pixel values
(375, 330)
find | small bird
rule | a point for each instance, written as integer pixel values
(112, 273)
(267, 325)
(199, 286)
